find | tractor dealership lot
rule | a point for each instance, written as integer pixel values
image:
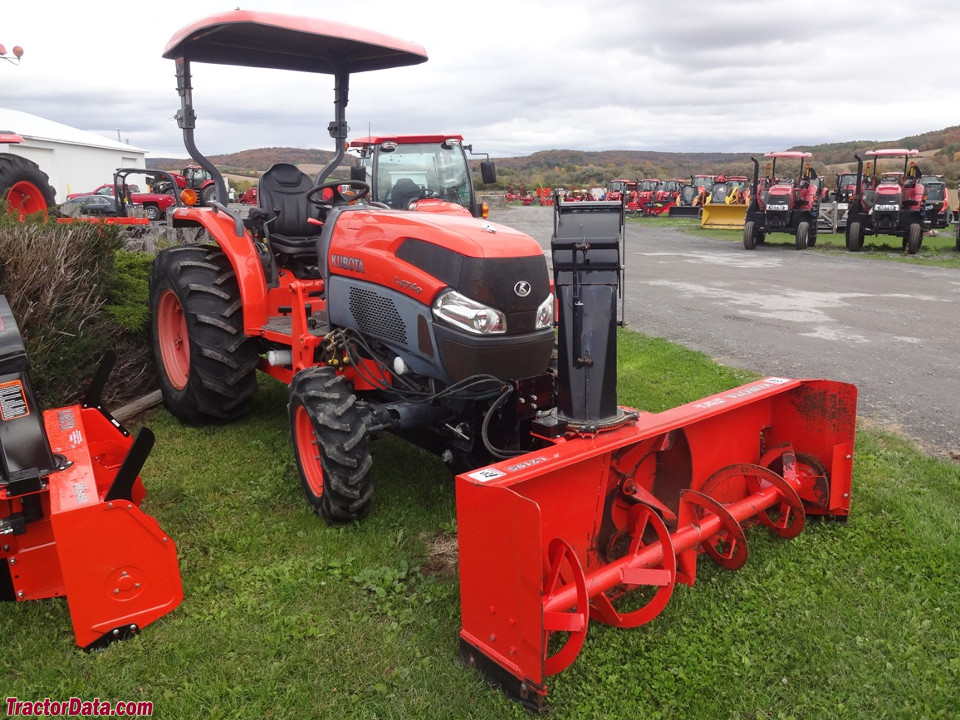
(890, 328)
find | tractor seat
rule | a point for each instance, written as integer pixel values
(404, 192)
(282, 194)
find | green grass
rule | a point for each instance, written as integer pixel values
(285, 617)
(939, 250)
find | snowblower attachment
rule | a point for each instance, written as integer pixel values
(70, 521)
(603, 521)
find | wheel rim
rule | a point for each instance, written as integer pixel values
(173, 339)
(307, 451)
(25, 198)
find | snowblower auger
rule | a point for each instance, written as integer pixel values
(605, 519)
(70, 518)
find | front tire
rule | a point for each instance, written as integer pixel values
(330, 445)
(914, 238)
(854, 237)
(206, 366)
(749, 235)
(803, 234)
(152, 212)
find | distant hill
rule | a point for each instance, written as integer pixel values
(579, 168)
(252, 161)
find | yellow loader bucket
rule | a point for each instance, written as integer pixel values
(722, 216)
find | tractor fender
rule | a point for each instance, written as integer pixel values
(242, 254)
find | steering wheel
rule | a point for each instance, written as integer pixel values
(360, 188)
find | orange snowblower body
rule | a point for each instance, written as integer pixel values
(70, 517)
(621, 503)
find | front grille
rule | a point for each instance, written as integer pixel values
(377, 315)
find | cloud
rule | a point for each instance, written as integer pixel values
(514, 78)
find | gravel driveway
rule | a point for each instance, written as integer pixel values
(892, 329)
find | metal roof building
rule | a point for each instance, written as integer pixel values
(75, 160)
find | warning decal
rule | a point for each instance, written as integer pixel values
(13, 401)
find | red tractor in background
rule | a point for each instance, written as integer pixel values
(888, 203)
(621, 190)
(646, 189)
(665, 197)
(667, 190)
(783, 203)
(846, 187)
(196, 178)
(430, 173)
(443, 328)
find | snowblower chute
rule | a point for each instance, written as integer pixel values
(602, 522)
(70, 518)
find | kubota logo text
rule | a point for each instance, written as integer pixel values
(345, 262)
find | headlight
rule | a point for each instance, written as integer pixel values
(468, 314)
(545, 313)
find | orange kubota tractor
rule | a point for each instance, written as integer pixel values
(440, 327)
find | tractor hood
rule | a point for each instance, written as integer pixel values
(423, 253)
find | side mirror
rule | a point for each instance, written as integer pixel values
(358, 172)
(488, 172)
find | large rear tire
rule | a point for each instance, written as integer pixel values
(24, 188)
(206, 366)
(803, 234)
(330, 445)
(914, 238)
(207, 194)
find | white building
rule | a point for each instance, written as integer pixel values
(75, 160)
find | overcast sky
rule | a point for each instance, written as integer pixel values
(513, 77)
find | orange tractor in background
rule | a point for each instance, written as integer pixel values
(24, 188)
